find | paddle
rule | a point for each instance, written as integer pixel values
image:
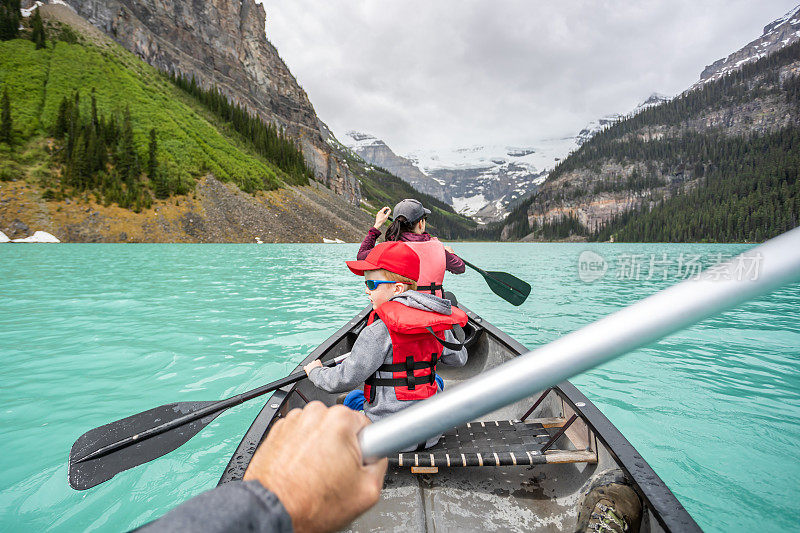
(716, 289)
(509, 288)
(101, 453)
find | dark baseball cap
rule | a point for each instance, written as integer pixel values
(394, 256)
(411, 209)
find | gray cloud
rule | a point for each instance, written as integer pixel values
(445, 73)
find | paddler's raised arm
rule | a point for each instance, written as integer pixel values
(374, 232)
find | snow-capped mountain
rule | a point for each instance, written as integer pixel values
(478, 181)
(777, 34)
(482, 182)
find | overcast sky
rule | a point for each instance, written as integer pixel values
(440, 74)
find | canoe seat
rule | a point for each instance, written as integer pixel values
(496, 443)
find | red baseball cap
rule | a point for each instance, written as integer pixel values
(394, 256)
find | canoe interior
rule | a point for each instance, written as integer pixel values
(541, 497)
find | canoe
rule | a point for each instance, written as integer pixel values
(540, 464)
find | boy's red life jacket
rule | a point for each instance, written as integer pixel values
(415, 351)
(432, 264)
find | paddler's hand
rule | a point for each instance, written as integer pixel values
(382, 217)
(311, 461)
(311, 366)
(449, 249)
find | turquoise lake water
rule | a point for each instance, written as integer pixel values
(93, 333)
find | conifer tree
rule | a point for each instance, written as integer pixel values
(62, 119)
(37, 27)
(152, 162)
(95, 122)
(9, 19)
(5, 118)
(128, 164)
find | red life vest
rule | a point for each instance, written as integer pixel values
(415, 351)
(432, 264)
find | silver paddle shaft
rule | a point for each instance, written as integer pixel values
(719, 288)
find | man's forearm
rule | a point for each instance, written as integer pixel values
(235, 506)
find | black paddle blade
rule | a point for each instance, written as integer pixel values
(508, 287)
(86, 474)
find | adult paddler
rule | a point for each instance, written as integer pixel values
(409, 226)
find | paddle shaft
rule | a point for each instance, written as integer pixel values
(205, 411)
(633, 327)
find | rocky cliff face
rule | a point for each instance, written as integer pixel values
(223, 43)
(577, 193)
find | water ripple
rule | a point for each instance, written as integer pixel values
(92, 333)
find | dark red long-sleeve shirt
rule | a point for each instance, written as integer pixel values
(453, 263)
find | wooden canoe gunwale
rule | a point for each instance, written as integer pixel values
(663, 504)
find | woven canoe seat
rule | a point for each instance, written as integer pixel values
(496, 443)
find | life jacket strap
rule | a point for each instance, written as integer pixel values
(447, 344)
(432, 288)
(409, 380)
(413, 365)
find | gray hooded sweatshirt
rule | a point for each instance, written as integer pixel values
(373, 348)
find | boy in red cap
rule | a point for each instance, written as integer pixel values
(409, 332)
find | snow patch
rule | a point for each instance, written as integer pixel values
(62, 3)
(490, 159)
(4, 237)
(469, 205)
(362, 140)
(39, 236)
(28, 12)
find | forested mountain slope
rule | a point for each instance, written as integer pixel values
(103, 146)
(718, 163)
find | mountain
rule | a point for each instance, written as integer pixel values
(777, 34)
(482, 182)
(479, 182)
(596, 126)
(106, 148)
(717, 163)
(383, 188)
(375, 152)
(222, 43)
(213, 57)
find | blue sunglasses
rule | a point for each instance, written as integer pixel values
(372, 284)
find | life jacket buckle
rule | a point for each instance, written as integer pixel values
(410, 381)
